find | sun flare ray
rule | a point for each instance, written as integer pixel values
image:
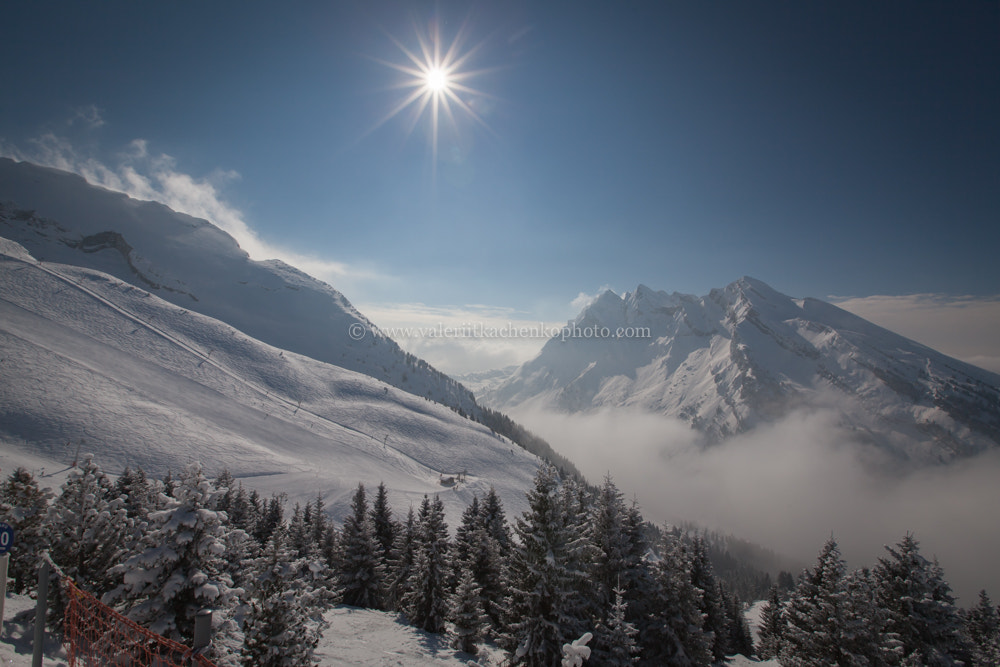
(436, 77)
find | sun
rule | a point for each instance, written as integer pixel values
(436, 80)
(436, 83)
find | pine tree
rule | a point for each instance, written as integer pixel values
(278, 630)
(703, 579)
(608, 522)
(545, 582)
(426, 603)
(24, 506)
(918, 605)
(361, 571)
(317, 525)
(772, 626)
(271, 517)
(674, 634)
(637, 577)
(495, 521)
(168, 484)
(982, 627)
(137, 491)
(615, 637)
(740, 640)
(469, 532)
(467, 615)
(224, 483)
(87, 524)
(299, 537)
(384, 525)
(863, 622)
(493, 558)
(240, 510)
(180, 569)
(401, 563)
(820, 626)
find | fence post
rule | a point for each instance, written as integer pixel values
(41, 609)
(4, 560)
(202, 630)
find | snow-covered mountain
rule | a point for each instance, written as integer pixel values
(191, 263)
(149, 338)
(90, 362)
(746, 354)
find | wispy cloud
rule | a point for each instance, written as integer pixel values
(143, 174)
(462, 339)
(964, 327)
(582, 300)
(89, 116)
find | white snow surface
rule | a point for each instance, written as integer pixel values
(747, 354)
(95, 363)
(58, 217)
(352, 637)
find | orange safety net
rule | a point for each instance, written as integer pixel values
(98, 636)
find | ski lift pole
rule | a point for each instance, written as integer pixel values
(4, 561)
(41, 609)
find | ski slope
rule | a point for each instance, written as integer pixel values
(143, 382)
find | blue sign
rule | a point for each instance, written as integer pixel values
(6, 537)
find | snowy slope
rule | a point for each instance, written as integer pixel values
(143, 382)
(353, 636)
(189, 262)
(747, 354)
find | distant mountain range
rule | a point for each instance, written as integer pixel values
(746, 355)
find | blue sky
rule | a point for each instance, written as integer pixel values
(827, 148)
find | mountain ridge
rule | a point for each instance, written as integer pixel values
(746, 354)
(58, 216)
(91, 362)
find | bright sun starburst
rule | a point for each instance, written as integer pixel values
(436, 83)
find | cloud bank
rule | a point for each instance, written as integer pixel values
(964, 327)
(505, 335)
(791, 484)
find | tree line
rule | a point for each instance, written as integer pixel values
(578, 560)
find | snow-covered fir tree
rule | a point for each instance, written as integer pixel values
(87, 526)
(279, 630)
(674, 633)
(495, 520)
(270, 516)
(240, 508)
(982, 627)
(24, 506)
(716, 623)
(383, 523)
(427, 600)
(467, 617)
(608, 523)
(299, 537)
(615, 644)
(492, 558)
(179, 569)
(919, 608)
(138, 492)
(469, 532)
(361, 572)
(772, 626)
(740, 641)
(866, 621)
(401, 561)
(545, 577)
(821, 628)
